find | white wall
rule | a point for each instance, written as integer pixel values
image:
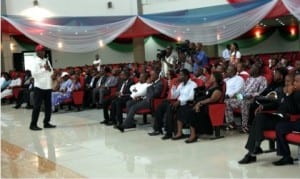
(157, 6)
(76, 7)
(108, 56)
(273, 44)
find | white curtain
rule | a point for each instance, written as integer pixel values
(214, 32)
(293, 6)
(74, 39)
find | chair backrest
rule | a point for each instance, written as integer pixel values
(198, 81)
(164, 89)
(216, 113)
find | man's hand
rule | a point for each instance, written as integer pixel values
(175, 105)
(259, 109)
(47, 67)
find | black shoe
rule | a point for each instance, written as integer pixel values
(179, 137)
(110, 123)
(49, 126)
(167, 136)
(284, 161)
(35, 128)
(257, 151)
(155, 133)
(104, 122)
(121, 128)
(29, 107)
(248, 159)
(191, 141)
(132, 126)
(17, 106)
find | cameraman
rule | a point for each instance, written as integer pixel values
(168, 61)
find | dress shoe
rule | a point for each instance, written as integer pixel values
(17, 106)
(284, 161)
(155, 133)
(178, 137)
(110, 123)
(167, 136)
(104, 122)
(35, 128)
(49, 126)
(248, 159)
(188, 141)
(257, 151)
(121, 128)
(130, 127)
(29, 107)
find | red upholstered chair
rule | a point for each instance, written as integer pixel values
(154, 103)
(217, 114)
(293, 138)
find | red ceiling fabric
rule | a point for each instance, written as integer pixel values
(138, 29)
(7, 28)
(278, 10)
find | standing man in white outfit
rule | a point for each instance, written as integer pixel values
(41, 71)
(97, 62)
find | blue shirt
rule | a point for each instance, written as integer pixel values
(202, 58)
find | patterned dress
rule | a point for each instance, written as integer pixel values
(68, 86)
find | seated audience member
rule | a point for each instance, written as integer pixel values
(170, 76)
(282, 129)
(55, 81)
(254, 85)
(138, 90)
(24, 94)
(5, 80)
(110, 82)
(153, 91)
(101, 77)
(268, 121)
(234, 86)
(90, 85)
(14, 83)
(272, 63)
(296, 68)
(197, 116)
(285, 63)
(117, 101)
(200, 74)
(67, 86)
(241, 71)
(272, 95)
(184, 93)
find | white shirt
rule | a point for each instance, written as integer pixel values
(226, 54)
(42, 77)
(140, 89)
(15, 82)
(164, 66)
(234, 56)
(184, 93)
(2, 80)
(234, 85)
(95, 62)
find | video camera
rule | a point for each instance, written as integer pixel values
(184, 48)
(162, 54)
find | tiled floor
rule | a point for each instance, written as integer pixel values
(81, 147)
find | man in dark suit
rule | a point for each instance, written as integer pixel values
(268, 121)
(118, 101)
(283, 149)
(153, 91)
